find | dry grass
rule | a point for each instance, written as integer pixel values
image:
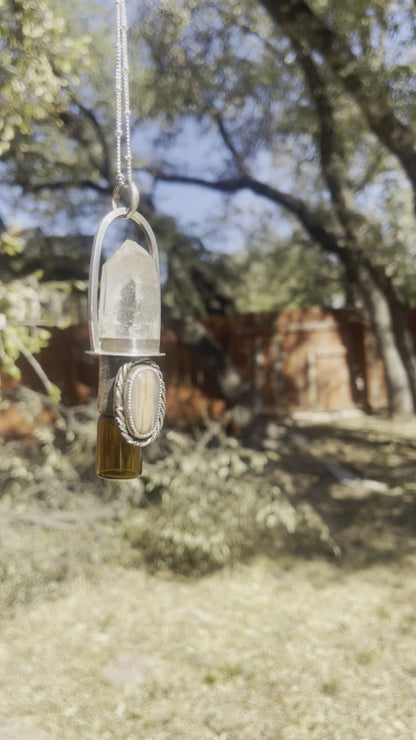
(94, 646)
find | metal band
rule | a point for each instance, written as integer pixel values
(130, 347)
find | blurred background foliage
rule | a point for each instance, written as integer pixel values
(201, 504)
(311, 147)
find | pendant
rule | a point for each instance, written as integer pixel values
(124, 321)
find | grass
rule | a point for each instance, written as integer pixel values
(253, 652)
(93, 645)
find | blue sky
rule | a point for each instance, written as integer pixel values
(223, 224)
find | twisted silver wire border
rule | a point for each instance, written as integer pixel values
(123, 405)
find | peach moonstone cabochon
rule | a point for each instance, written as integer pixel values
(143, 407)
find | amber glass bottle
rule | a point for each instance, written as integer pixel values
(116, 458)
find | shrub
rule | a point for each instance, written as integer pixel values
(207, 505)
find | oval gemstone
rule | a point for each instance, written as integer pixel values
(142, 404)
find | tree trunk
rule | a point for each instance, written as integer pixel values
(389, 323)
(387, 312)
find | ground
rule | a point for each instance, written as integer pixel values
(92, 645)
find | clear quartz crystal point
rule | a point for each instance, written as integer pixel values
(129, 308)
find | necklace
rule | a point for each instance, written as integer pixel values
(124, 309)
(123, 114)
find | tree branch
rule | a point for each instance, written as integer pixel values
(349, 251)
(311, 221)
(68, 184)
(332, 152)
(105, 168)
(238, 159)
(93, 141)
(303, 26)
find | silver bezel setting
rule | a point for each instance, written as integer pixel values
(123, 408)
(128, 347)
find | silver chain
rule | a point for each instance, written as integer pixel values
(122, 97)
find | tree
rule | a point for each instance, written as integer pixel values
(276, 109)
(369, 85)
(284, 275)
(58, 143)
(370, 90)
(229, 80)
(36, 77)
(39, 73)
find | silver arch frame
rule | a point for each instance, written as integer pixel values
(97, 247)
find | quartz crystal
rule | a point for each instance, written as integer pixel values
(129, 308)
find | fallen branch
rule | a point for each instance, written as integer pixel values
(343, 475)
(38, 521)
(65, 521)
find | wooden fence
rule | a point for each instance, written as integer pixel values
(304, 360)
